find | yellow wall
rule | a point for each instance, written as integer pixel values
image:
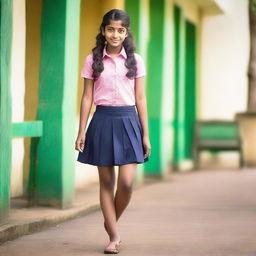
(91, 17)
(90, 20)
(33, 48)
(111, 4)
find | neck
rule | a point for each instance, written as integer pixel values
(113, 50)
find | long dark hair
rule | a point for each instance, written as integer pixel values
(130, 62)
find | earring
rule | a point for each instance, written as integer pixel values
(105, 42)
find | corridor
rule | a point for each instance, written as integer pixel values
(204, 213)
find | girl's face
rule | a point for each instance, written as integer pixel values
(115, 33)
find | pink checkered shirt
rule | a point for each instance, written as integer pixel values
(113, 87)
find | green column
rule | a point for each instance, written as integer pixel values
(185, 86)
(53, 168)
(137, 11)
(133, 9)
(190, 86)
(5, 106)
(154, 83)
(179, 87)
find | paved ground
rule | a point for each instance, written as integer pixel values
(204, 213)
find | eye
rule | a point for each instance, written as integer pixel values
(121, 30)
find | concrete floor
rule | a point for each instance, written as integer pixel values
(203, 213)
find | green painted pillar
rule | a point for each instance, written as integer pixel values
(154, 84)
(132, 7)
(190, 86)
(5, 106)
(185, 87)
(137, 11)
(53, 168)
(179, 90)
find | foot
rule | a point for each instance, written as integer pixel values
(105, 226)
(112, 247)
(118, 240)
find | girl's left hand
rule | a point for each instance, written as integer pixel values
(147, 146)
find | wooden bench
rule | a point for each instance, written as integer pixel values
(216, 135)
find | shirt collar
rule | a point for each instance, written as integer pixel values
(123, 53)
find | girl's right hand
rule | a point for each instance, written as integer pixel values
(80, 142)
(147, 146)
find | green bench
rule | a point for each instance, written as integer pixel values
(214, 136)
(32, 129)
(27, 129)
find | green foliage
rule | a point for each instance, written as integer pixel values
(252, 6)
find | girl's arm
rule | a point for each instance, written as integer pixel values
(141, 105)
(85, 108)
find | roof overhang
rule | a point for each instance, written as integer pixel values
(211, 7)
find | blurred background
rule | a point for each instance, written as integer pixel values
(196, 54)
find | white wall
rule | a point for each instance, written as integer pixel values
(224, 60)
(17, 92)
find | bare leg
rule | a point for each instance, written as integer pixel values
(124, 190)
(126, 176)
(107, 184)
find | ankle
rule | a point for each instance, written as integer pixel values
(114, 238)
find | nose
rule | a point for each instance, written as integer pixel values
(115, 33)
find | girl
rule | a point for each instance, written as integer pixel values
(118, 132)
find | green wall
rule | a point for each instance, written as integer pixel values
(52, 169)
(5, 106)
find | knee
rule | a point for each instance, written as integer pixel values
(107, 184)
(126, 186)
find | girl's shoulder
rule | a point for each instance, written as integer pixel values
(141, 69)
(89, 57)
(138, 58)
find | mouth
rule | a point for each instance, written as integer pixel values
(115, 41)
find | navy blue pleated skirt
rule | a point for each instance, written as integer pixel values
(113, 137)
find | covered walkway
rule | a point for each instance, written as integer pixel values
(190, 214)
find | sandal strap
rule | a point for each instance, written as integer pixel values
(111, 251)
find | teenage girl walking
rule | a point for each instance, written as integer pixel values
(117, 134)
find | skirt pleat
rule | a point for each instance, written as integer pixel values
(113, 137)
(134, 141)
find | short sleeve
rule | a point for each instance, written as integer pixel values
(141, 70)
(87, 70)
